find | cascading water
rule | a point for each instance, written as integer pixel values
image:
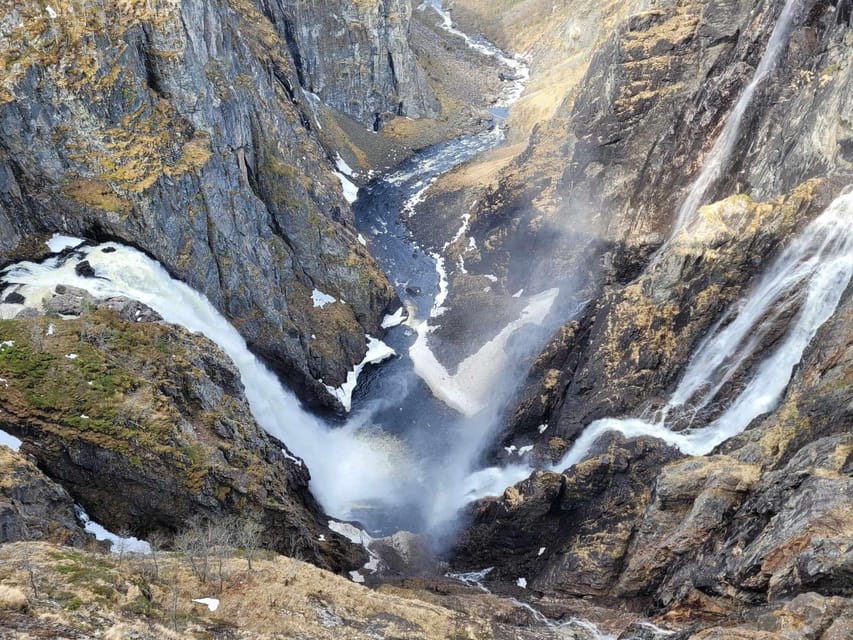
(721, 152)
(334, 456)
(808, 278)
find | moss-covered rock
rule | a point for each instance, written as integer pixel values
(146, 425)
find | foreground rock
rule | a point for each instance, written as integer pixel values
(146, 426)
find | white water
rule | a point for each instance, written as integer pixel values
(808, 278)
(720, 154)
(348, 465)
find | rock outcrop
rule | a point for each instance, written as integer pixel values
(181, 128)
(33, 507)
(146, 426)
(355, 56)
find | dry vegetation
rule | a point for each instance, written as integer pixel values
(47, 588)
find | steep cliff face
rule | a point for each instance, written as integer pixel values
(355, 56)
(180, 128)
(759, 521)
(597, 189)
(146, 426)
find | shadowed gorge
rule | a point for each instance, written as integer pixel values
(504, 319)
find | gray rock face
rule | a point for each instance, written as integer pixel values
(33, 507)
(174, 127)
(355, 56)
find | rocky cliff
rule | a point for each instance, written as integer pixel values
(181, 128)
(355, 56)
(762, 519)
(146, 427)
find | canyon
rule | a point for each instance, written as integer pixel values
(533, 317)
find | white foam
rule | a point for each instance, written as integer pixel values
(349, 465)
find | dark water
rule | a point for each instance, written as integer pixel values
(391, 396)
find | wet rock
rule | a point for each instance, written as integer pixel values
(406, 554)
(568, 532)
(84, 269)
(68, 301)
(130, 310)
(14, 298)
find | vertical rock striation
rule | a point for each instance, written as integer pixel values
(180, 128)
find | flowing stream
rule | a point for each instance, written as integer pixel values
(719, 156)
(806, 282)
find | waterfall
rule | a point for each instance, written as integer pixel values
(807, 279)
(336, 457)
(718, 158)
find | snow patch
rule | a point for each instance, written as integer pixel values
(525, 450)
(543, 428)
(470, 388)
(518, 293)
(541, 551)
(128, 545)
(522, 582)
(211, 603)
(58, 242)
(342, 166)
(350, 189)
(51, 12)
(51, 329)
(356, 577)
(321, 299)
(7, 343)
(9, 440)
(377, 351)
(71, 356)
(362, 240)
(359, 537)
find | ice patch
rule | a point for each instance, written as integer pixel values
(58, 242)
(377, 351)
(321, 299)
(211, 603)
(395, 319)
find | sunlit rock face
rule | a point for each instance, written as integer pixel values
(181, 128)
